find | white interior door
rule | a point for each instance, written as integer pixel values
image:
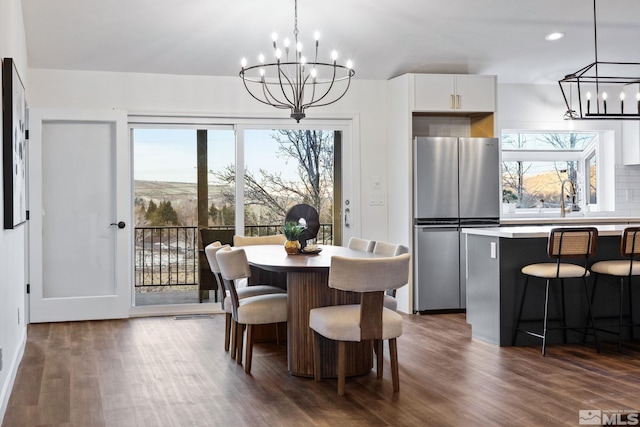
(80, 215)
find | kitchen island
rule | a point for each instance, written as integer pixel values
(494, 258)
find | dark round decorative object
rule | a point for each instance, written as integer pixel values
(308, 217)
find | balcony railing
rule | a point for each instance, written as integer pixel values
(168, 256)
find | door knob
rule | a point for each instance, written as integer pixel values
(120, 224)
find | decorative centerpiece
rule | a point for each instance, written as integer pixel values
(292, 231)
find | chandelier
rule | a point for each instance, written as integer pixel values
(595, 82)
(295, 82)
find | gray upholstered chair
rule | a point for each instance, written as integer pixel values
(368, 320)
(362, 245)
(249, 291)
(277, 239)
(248, 311)
(390, 249)
(622, 269)
(563, 243)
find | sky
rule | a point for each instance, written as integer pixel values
(170, 154)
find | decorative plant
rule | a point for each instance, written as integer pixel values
(508, 196)
(292, 230)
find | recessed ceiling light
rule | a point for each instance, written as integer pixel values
(553, 36)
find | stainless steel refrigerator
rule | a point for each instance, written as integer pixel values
(456, 185)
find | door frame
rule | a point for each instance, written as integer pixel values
(100, 307)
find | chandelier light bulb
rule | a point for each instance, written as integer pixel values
(303, 60)
(286, 42)
(299, 47)
(278, 53)
(349, 64)
(588, 96)
(243, 62)
(261, 72)
(274, 37)
(604, 96)
(261, 58)
(316, 36)
(604, 101)
(334, 56)
(314, 73)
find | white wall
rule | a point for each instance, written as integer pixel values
(226, 97)
(12, 242)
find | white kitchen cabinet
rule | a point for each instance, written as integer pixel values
(464, 93)
(630, 142)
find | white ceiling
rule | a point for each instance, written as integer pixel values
(384, 38)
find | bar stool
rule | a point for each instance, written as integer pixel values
(563, 243)
(626, 268)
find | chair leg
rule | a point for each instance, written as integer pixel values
(564, 313)
(630, 307)
(342, 362)
(234, 341)
(227, 331)
(593, 297)
(620, 314)
(593, 325)
(378, 346)
(393, 355)
(317, 371)
(544, 323)
(239, 342)
(277, 326)
(517, 326)
(249, 352)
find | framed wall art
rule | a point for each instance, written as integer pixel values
(14, 146)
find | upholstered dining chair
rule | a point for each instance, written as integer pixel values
(362, 245)
(563, 243)
(369, 320)
(248, 311)
(622, 269)
(390, 249)
(249, 291)
(276, 239)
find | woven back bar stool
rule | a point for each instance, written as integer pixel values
(563, 243)
(626, 268)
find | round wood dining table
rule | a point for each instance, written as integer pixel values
(307, 288)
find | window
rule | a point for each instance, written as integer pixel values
(538, 168)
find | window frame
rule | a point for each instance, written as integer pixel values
(580, 156)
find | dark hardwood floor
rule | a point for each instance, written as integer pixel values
(165, 372)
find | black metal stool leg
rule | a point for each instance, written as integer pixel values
(517, 326)
(630, 307)
(593, 325)
(620, 314)
(544, 324)
(564, 313)
(593, 296)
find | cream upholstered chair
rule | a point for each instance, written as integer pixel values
(249, 291)
(390, 249)
(277, 239)
(248, 311)
(563, 243)
(368, 320)
(362, 245)
(624, 268)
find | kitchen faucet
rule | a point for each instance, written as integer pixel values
(562, 207)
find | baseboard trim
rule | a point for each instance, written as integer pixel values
(13, 372)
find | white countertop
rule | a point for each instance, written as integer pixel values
(536, 231)
(569, 220)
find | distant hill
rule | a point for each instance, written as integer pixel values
(160, 190)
